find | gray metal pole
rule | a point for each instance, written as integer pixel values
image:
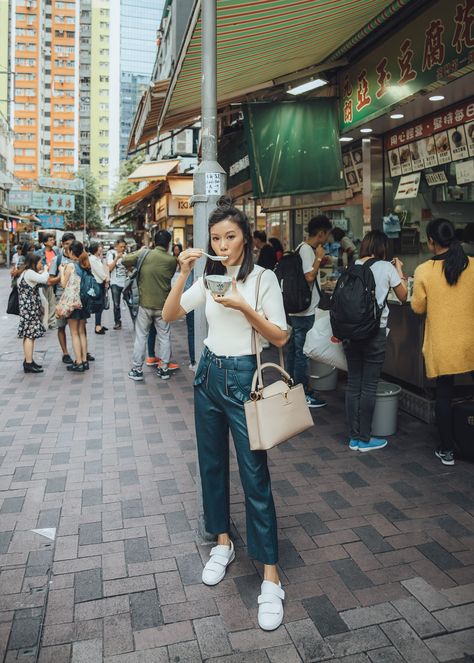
(85, 210)
(8, 238)
(209, 182)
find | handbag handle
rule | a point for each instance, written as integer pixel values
(255, 349)
(286, 376)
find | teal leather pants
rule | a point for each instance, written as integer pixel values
(222, 385)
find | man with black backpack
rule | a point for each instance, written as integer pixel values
(154, 284)
(311, 254)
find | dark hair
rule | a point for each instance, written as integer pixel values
(162, 238)
(120, 240)
(48, 236)
(67, 237)
(77, 249)
(338, 234)
(94, 247)
(26, 247)
(375, 243)
(179, 247)
(226, 210)
(275, 242)
(261, 235)
(469, 233)
(318, 223)
(31, 262)
(441, 232)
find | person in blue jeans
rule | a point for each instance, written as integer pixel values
(312, 253)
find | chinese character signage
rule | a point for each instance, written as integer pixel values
(51, 220)
(61, 183)
(54, 202)
(434, 140)
(434, 45)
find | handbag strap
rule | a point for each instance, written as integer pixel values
(255, 348)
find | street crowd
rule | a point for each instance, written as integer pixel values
(61, 288)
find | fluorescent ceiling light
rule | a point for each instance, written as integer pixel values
(345, 139)
(436, 97)
(397, 116)
(306, 87)
(367, 130)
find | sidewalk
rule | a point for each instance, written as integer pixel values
(376, 550)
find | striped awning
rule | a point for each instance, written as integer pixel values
(145, 123)
(261, 41)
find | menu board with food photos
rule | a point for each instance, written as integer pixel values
(353, 171)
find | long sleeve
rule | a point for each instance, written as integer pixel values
(418, 300)
(33, 278)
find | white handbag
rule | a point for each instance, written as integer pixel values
(276, 412)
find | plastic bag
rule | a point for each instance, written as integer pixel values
(322, 346)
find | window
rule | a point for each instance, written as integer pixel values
(103, 133)
(103, 107)
(25, 92)
(104, 79)
(25, 62)
(21, 46)
(26, 32)
(28, 107)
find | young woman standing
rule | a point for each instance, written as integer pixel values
(222, 385)
(365, 358)
(102, 276)
(444, 290)
(31, 327)
(78, 318)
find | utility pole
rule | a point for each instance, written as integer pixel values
(209, 182)
(84, 210)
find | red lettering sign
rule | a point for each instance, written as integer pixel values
(407, 73)
(434, 47)
(464, 19)
(383, 78)
(363, 96)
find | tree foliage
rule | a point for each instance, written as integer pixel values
(124, 186)
(75, 220)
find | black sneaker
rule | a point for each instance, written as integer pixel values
(89, 357)
(86, 365)
(163, 373)
(135, 374)
(118, 325)
(446, 457)
(76, 368)
(67, 359)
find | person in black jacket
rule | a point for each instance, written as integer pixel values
(267, 255)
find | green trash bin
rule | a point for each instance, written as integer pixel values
(384, 421)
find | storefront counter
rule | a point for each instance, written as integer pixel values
(403, 357)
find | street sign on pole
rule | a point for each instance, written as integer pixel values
(19, 198)
(59, 183)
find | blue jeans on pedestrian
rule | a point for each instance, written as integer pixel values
(296, 360)
(221, 387)
(190, 326)
(364, 366)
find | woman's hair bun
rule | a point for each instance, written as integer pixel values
(446, 231)
(225, 202)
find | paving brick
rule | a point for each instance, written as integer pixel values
(457, 618)
(154, 655)
(354, 642)
(351, 574)
(385, 655)
(118, 636)
(407, 642)
(169, 634)
(101, 608)
(372, 539)
(5, 538)
(90, 533)
(375, 614)
(212, 637)
(186, 652)
(353, 479)
(56, 485)
(114, 566)
(308, 640)
(426, 594)
(452, 646)
(311, 523)
(25, 629)
(439, 556)
(324, 615)
(234, 613)
(56, 654)
(128, 585)
(170, 588)
(418, 617)
(190, 568)
(145, 610)
(459, 595)
(12, 505)
(136, 550)
(88, 585)
(283, 654)
(87, 651)
(60, 606)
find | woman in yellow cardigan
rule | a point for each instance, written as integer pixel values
(444, 290)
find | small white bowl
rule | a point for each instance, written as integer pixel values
(218, 284)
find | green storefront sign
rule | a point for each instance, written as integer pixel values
(430, 48)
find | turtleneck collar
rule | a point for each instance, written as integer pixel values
(233, 270)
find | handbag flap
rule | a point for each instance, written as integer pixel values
(279, 387)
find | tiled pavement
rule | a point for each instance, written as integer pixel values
(377, 551)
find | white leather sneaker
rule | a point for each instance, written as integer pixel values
(221, 557)
(270, 606)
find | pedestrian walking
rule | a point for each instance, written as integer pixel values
(222, 385)
(101, 275)
(266, 253)
(47, 254)
(278, 247)
(61, 323)
(32, 276)
(312, 253)
(76, 321)
(154, 285)
(118, 276)
(444, 289)
(365, 357)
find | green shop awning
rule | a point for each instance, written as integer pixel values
(263, 40)
(293, 147)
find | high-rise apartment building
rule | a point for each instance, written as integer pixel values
(139, 23)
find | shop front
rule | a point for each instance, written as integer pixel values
(173, 210)
(409, 104)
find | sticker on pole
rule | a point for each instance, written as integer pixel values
(213, 184)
